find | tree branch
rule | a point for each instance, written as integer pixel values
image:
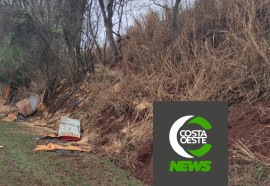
(163, 6)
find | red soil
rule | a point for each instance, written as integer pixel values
(252, 128)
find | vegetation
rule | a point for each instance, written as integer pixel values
(208, 50)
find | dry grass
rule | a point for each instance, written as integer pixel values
(222, 53)
(249, 175)
(242, 152)
(249, 168)
(220, 56)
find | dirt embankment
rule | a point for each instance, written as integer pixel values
(121, 130)
(250, 127)
(118, 134)
(114, 124)
(249, 144)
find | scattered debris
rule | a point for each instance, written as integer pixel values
(34, 101)
(10, 117)
(29, 105)
(25, 107)
(41, 106)
(20, 117)
(53, 147)
(48, 136)
(69, 129)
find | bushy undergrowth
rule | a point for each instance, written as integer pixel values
(221, 53)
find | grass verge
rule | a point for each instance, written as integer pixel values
(19, 165)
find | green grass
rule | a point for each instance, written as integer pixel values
(19, 165)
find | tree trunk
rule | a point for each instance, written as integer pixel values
(111, 40)
(109, 29)
(174, 21)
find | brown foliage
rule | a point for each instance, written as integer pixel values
(221, 53)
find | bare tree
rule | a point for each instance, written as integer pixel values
(108, 13)
(92, 22)
(175, 11)
(174, 20)
(72, 23)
